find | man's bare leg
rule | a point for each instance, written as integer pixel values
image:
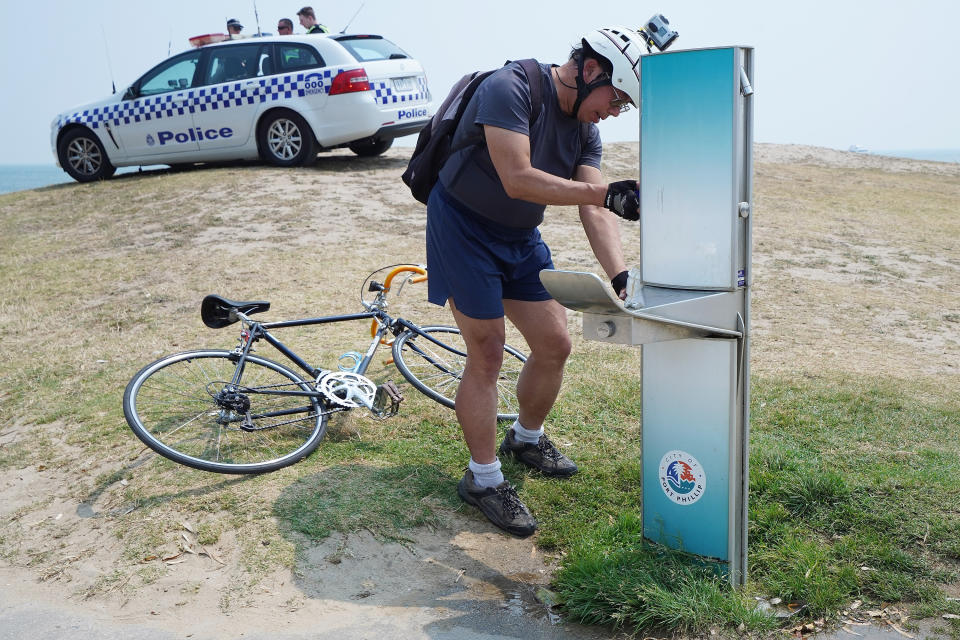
(476, 401)
(544, 327)
(483, 484)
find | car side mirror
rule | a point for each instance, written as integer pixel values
(130, 93)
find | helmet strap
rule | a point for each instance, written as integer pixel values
(584, 89)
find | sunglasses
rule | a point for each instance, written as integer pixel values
(623, 103)
(283, 27)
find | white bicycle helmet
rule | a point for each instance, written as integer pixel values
(622, 47)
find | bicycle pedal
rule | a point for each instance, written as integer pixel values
(386, 402)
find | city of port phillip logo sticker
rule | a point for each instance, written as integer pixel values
(681, 477)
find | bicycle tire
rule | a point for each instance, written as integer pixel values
(436, 369)
(172, 406)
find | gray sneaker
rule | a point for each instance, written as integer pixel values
(500, 504)
(542, 456)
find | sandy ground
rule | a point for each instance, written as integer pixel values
(842, 283)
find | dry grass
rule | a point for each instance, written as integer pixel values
(857, 271)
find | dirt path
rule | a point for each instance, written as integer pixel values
(460, 584)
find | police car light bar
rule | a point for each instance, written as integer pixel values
(210, 38)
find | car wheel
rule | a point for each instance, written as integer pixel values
(83, 157)
(285, 140)
(370, 147)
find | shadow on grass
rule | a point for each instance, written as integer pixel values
(385, 501)
(326, 163)
(342, 162)
(86, 507)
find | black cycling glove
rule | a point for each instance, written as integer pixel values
(619, 282)
(622, 198)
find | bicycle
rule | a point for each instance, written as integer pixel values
(232, 411)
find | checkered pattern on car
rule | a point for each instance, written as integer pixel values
(386, 94)
(226, 96)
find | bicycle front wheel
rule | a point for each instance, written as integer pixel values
(185, 408)
(436, 369)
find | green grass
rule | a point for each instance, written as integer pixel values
(614, 579)
(853, 494)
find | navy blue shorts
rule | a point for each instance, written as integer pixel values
(480, 263)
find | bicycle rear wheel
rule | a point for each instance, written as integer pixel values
(184, 408)
(436, 369)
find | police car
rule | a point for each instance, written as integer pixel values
(281, 99)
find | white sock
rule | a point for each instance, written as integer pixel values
(486, 475)
(526, 435)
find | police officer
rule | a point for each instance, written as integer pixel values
(308, 20)
(234, 28)
(284, 27)
(485, 254)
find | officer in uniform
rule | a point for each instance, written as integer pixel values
(308, 20)
(234, 28)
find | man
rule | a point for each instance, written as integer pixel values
(284, 27)
(234, 28)
(308, 20)
(484, 252)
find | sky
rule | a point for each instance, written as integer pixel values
(877, 74)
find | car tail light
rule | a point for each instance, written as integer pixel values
(350, 82)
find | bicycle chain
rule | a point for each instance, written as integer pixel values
(273, 425)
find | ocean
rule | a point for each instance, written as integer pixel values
(16, 177)
(940, 155)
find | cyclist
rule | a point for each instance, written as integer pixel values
(484, 251)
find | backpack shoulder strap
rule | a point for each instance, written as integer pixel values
(532, 68)
(468, 92)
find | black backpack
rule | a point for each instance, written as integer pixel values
(434, 145)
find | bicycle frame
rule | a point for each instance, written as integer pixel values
(383, 323)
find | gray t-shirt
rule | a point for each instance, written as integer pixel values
(503, 100)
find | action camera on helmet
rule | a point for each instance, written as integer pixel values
(657, 32)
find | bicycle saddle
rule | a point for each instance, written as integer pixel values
(215, 310)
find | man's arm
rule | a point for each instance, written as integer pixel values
(601, 227)
(510, 152)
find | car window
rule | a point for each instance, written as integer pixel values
(297, 56)
(368, 48)
(237, 62)
(172, 75)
